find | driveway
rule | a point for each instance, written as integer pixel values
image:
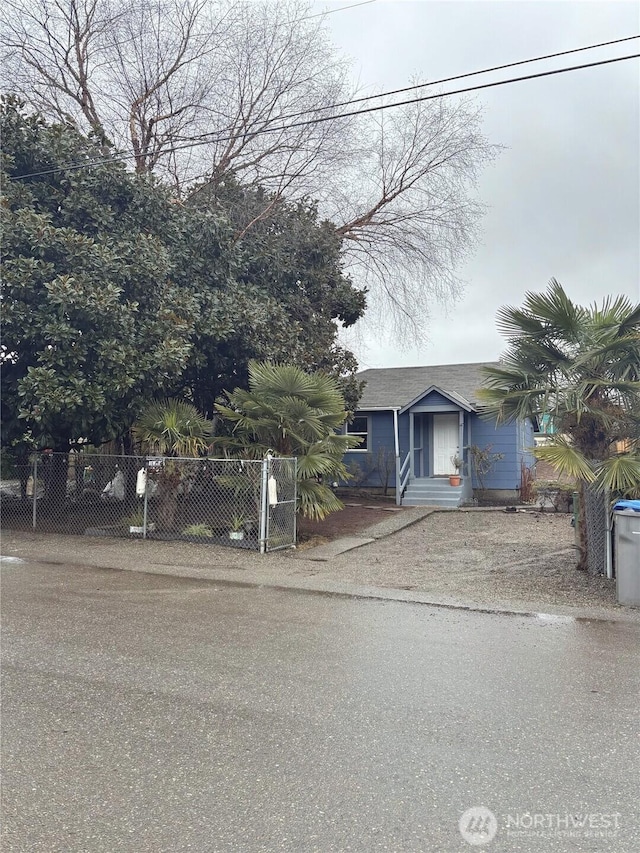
(146, 713)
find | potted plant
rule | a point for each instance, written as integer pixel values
(135, 522)
(236, 528)
(454, 479)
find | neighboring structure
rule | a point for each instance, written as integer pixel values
(543, 429)
(414, 420)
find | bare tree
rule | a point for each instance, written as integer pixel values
(410, 216)
(50, 53)
(199, 88)
(195, 90)
(131, 73)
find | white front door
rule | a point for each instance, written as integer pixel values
(446, 435)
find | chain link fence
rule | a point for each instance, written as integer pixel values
(596, 510)
(242, 503)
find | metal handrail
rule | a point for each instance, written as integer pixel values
(402, 477)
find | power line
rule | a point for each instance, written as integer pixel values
(448, 94)
(469, 74)
(440, 81)
(333, 11)
(435, 82)
(205, 34)
(321, 119)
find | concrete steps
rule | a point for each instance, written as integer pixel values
(432, 491)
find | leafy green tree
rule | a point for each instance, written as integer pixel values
(93, 319)
(114, 293)
(292, 413)
(290, 295)
(581, 366)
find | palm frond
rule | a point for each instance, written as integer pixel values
(620, 473)
(173, 428)
(566, 459)
(554, 308)
(316, 500)
(291, 413)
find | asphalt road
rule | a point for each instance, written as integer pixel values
(152, 713)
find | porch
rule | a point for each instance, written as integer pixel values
(438, 433)
(432, 491)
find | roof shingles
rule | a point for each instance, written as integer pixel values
(388, 387)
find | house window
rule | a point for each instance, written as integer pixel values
(359, 427)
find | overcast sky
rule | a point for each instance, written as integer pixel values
(564, 196)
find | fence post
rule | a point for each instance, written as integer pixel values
(146, 500)
(295, 500)
(34, 501)
(264, 504)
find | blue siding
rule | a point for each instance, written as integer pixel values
(514, 440)
(380, 437)
(435, 399)
(504, 439)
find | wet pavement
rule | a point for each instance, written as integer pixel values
(155, 713)
(425, 561)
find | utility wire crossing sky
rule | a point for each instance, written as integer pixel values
(205, 138)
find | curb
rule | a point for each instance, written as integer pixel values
(553, 615)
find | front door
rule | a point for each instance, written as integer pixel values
(446, 443)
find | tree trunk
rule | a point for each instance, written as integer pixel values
(55, 469)
(168, 479)
(594, 530)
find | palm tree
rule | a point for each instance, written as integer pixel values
(171, 428)
(581, 366)
(292, 413)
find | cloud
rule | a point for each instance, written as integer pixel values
(564, 196)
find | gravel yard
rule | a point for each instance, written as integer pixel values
(487, 557)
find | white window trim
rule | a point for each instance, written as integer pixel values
(366, 449)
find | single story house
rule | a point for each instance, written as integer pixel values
(414, 421)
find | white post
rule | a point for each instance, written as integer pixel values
(411, 443)
(396, 439)
(264, 504)
(35, 490)
(295, 500)
(608, 556)
(146, 504)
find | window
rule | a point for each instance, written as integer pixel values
(359, 427)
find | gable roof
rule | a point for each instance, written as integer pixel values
(391, 387)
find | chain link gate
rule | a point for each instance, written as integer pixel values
(241, 503)
(280, 503)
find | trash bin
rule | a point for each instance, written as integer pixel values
(627, 539)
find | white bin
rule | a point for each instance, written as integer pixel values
(627, 539)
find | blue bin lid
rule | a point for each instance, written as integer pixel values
(634, 505)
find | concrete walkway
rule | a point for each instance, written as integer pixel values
(391, 524)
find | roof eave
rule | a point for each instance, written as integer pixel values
(456, 399)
